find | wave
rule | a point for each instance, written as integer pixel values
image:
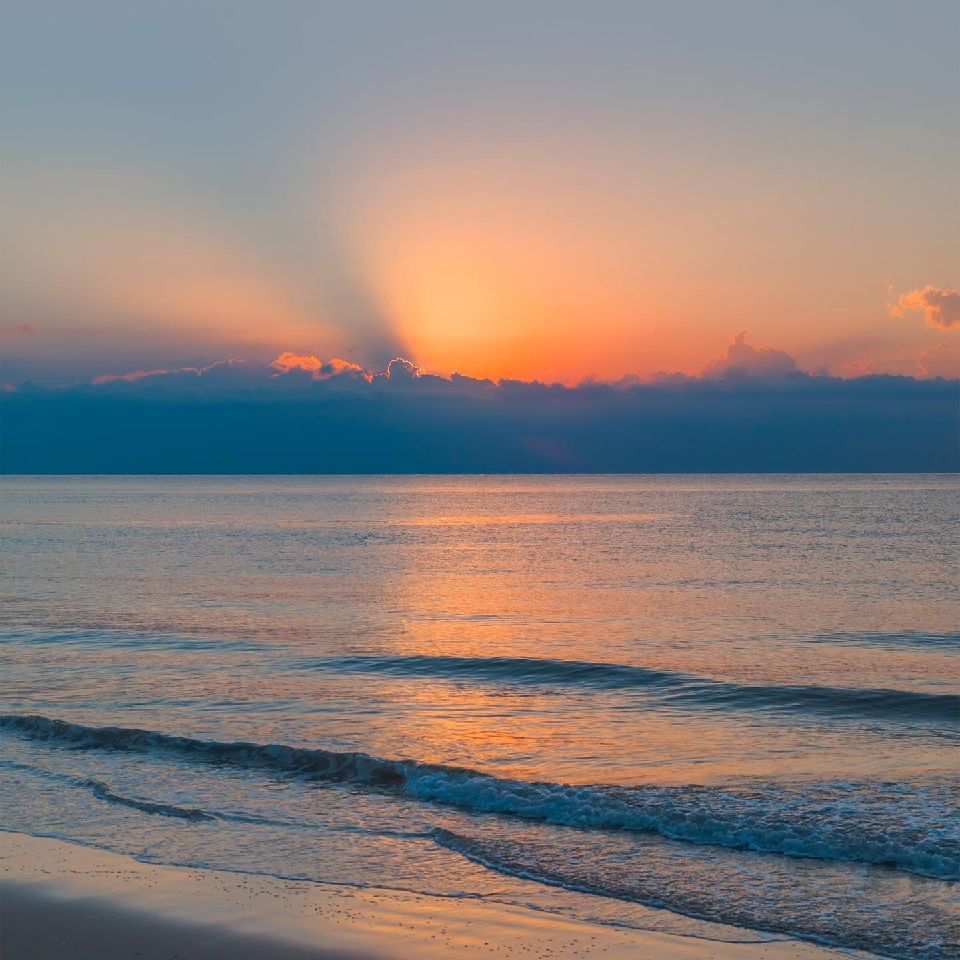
(754, 821)
(102, 792)
(788, 903)
(673, 687)
(950, 641)
(120, 640)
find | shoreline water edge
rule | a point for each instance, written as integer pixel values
(64, 899)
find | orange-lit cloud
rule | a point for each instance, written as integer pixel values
(323, 369)
(943, 360)
(940, 307)
(135, 375)
(253, 371)
(401, 369)
(320, 369)
(741, 358)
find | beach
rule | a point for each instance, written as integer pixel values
(64, 900)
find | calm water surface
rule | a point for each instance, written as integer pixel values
(681, 703)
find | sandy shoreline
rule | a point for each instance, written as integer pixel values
(59, 899)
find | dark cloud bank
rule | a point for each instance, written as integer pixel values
(244, 417)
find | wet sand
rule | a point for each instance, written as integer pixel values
(62, 900)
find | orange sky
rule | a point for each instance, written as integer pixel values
(599, 193)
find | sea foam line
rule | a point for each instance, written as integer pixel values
(694, 814)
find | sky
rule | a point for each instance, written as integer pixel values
(523, 191)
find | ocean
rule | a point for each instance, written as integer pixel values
(695, 704)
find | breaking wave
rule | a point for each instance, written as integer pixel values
(825, 824)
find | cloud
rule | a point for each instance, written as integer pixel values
(943, 360)
(400, 369)
(135, 375)
(940, 307)
(244, 418)
(318, 369)
(233, 372)
(288, 368)
(752, 410)
(742, 360)
(291, 370)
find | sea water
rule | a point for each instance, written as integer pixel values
(687, 703)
